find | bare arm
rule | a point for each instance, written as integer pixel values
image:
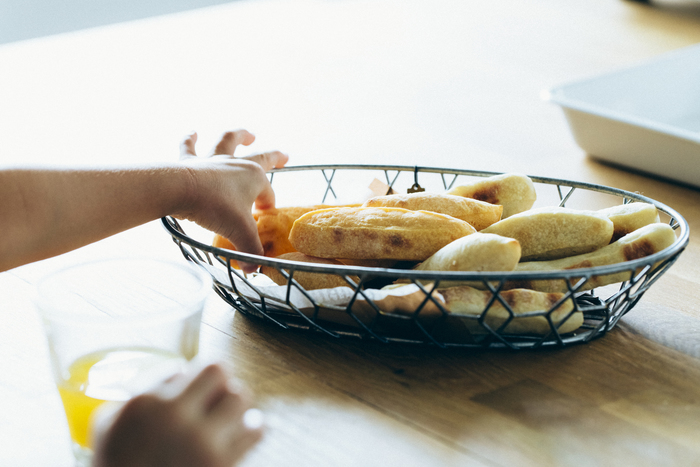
(48, 211)
(195, 419)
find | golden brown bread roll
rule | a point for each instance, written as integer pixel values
(475, 252)
(627, 218)
(308, 280)
(553, 232)
(515, 192)
(375, 233)
(468, 301)
(478, 213)
(273, 229)
(642, 242)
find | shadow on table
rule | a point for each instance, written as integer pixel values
(505, 407)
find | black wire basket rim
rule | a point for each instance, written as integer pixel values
(679, 245)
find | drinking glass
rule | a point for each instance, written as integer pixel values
(116, 327)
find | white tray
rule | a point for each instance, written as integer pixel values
(646, 117)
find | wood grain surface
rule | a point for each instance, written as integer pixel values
(446, 84)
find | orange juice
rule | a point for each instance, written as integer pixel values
(110, 375)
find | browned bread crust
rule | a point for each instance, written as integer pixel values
(467, 301)
(375, 233)
(642, 242)
(478, 213)
(273, 229)
(515, 192)
(308, 280)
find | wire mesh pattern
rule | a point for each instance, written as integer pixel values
(361, 310)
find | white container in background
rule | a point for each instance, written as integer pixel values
(646, 118)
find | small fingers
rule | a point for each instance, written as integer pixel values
(247, 240)
(266, 199)
(269, 160)
(252, 431)
(235, 426)
(187, 146)
(230, 407)
(204, 390)
(230, 140)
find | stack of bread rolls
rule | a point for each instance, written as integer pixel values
(487, 226)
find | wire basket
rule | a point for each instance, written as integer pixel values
(358, 313)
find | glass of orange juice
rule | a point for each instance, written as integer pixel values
(115, 328)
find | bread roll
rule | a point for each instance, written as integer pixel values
(553, 232)
(476, 252)
(515, 192)
(478, 213)
(467, 301)
(375, 233)
(627, 218)
(308, 280)
(642, 242)
(273, 229)
(375, 263)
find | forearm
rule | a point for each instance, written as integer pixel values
(46, 212)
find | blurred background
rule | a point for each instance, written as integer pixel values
(27, 19)
(324, 80)
(361, 81)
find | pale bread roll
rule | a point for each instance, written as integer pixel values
(554, 232)
(375, 233)
(642, 242)
(475, 252)
(472, 302)
(478, 213)
(308, 280)
(515, 192)
(627, 218)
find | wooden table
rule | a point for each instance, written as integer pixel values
(452, 83)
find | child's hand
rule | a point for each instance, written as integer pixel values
(199, 419)
(224, 189)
